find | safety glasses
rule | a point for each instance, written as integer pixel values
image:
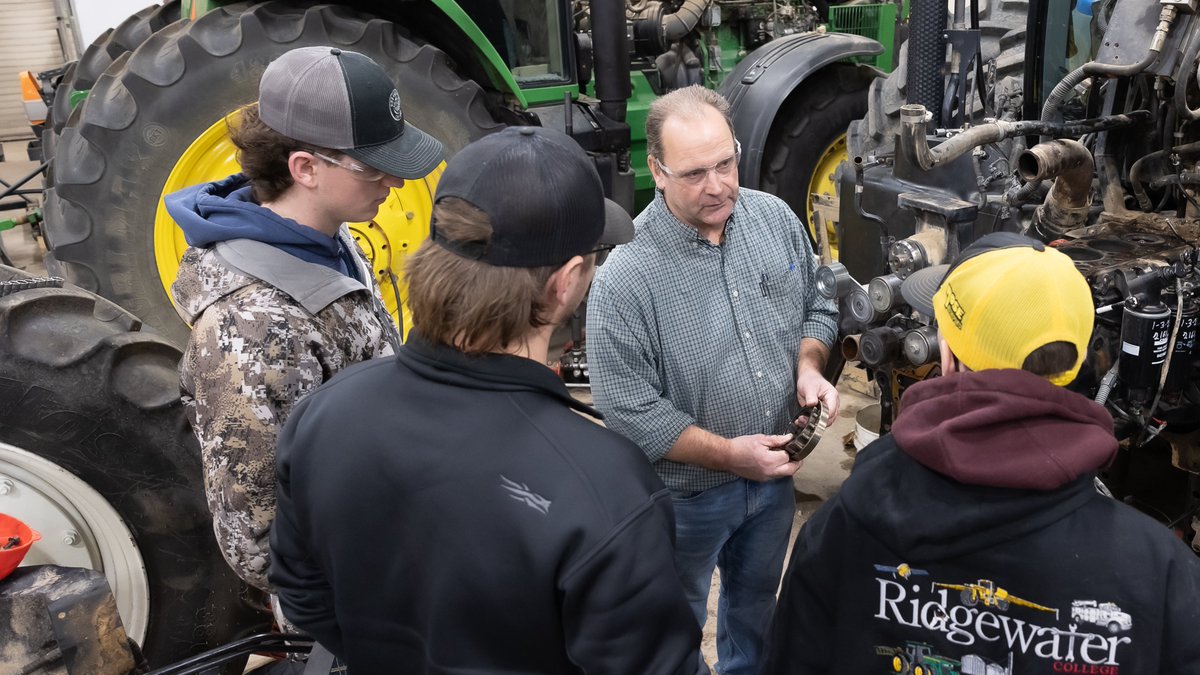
(358, 171)
(697, 176)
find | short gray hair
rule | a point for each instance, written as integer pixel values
(685, 102)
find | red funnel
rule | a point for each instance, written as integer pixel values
(11, 557)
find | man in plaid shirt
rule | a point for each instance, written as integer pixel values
(705, 336)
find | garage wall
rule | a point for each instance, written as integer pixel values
(29, 42)
(93, 17)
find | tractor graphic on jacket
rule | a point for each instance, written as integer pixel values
(917, 658)
(987, 592)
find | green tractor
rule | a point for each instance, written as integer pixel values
(93, 444)
(143, 112)
(918, 658)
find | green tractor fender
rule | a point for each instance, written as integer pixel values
(761, 82)
(791, 101)
(486, 55)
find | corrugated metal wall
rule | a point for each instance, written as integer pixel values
(28, 41)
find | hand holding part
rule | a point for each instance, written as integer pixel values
(757, 457)
(812, 388)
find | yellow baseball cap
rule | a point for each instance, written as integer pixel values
(1008, 295)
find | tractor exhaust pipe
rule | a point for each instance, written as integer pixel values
(611, 46)
(926, 47)
(1072, 167)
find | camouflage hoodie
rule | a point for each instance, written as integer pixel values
(268, 328)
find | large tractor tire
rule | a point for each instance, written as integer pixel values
(99, 55)
(155, 122)
(808, 140)
(96, 455)
(82, 75)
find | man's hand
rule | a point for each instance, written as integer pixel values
(811, 387)
(760, 457)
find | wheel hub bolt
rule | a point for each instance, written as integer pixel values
(6, 485)
(70, 537)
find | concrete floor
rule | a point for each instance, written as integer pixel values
(817, 480)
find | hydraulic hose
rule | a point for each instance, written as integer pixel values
(1106, 385)
(1061, 91)
(1135, 171)
(1184, 76)
(1165, 18)
(912, 133)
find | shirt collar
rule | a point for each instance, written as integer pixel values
(677, 234)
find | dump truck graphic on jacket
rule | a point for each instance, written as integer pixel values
(1104, 614)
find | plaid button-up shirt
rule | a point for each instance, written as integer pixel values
(681, 332)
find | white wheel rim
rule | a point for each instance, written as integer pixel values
(79, 528)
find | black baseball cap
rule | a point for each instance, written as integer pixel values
(542, 194)
(344, 101)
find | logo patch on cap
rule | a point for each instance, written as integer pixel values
(953, 307)
(394, 106)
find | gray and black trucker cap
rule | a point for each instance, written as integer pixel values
(542, 194)
(344, 101)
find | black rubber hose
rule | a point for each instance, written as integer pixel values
(1185, 74)
(1059, 94)
(679, 24)
(927, 55)
(1135, 171)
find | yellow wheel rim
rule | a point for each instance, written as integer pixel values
(400, 226)
(824, 183)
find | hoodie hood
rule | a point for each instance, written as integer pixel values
(225, 210)
(1004, 428)
(976, 459)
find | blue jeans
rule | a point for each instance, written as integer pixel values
(741, 527)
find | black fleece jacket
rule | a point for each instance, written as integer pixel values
(972, 540)
(443, 513)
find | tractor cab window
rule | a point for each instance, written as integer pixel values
(1066, 36)
(530, 36)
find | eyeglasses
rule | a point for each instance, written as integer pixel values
(358, 171)
(602, 251)
(698, 176)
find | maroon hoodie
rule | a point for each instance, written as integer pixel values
(1004, 428)
(972, 540)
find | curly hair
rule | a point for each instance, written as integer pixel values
(263, 153)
